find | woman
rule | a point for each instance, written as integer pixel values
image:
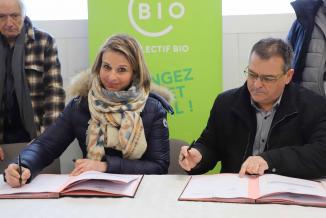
(120, 126)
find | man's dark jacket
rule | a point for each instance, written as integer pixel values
(73, 123)
(296, 144)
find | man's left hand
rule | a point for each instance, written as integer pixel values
(255, 165)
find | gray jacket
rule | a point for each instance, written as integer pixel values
(307, 37)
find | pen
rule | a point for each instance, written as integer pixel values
(20, 171)
(189, 147)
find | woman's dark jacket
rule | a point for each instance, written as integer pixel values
(296, 144)
(73, 123)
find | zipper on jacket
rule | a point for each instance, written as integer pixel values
(247, 146)
(281, 120)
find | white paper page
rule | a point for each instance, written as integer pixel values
(296, 198)
(216, 186)
(271, 183)
(95, 175)
(41, 183)
(105, 186)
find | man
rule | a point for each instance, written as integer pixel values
(31, 93)
(269, 125)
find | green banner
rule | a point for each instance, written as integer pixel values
(182, 43)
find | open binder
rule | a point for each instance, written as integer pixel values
(269, 188)
(89, 183)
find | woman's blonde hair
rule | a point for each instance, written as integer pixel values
(131, 49)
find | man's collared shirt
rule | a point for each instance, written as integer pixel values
(264, 122)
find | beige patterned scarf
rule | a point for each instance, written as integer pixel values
(115, 122)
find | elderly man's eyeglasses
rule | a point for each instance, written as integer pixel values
(263, 78)
(14, 16)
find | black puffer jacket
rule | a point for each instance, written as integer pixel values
(73, 123)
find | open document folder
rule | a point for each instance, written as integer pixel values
(269, 188)
(89, 183)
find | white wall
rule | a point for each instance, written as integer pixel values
(72, 40)
(239, 34)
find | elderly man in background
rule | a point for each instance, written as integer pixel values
(31, 92)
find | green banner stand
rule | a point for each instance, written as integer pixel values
(182, 43)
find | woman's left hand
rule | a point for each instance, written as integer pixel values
(83, 165)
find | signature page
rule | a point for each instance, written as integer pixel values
(40, 184)
(97, 183)
(271, 183)
(224, 186)
(95, 175)
(104, 187)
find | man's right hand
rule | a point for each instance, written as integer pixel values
(2, 154)
(12, 175)
(188, 159)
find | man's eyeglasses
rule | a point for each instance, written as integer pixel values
(14, 16)
(263, 78)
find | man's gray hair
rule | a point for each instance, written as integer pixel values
(22, 8)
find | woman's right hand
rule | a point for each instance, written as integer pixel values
(188, 159)
(13, 178)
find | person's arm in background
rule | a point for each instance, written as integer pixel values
(54, 93)
(292, 36)
(296, 40)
